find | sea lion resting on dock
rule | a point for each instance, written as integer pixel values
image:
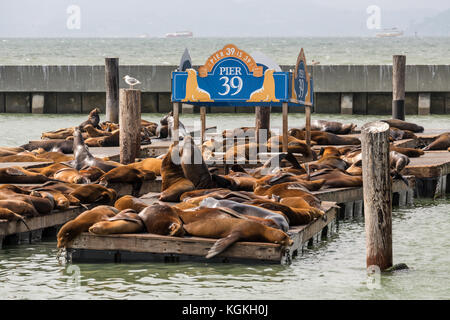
(162, 220)
(82, 223)
(130, 202)
(403, 125)
(231, 230)
(6, 214)
(94, 193)
(17, 174)
(325, 138)
(64, 146)
(335, 178)
(126, 221)
(442, 142)
(331, 126)
(10, 151)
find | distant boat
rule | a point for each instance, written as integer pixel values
(180, 34)
(389, 32)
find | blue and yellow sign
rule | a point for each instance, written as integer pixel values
(302, 88)
(231, 77)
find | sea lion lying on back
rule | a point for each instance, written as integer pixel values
(403, 125)
(442, 142)
(126, 221)
(231, 230)
(82, 223)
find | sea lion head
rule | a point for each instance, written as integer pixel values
(279, 237)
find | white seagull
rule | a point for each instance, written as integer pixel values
(131, 81)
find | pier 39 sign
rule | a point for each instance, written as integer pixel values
(231, 77)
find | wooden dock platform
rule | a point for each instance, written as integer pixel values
(149, 247)
(15, 232)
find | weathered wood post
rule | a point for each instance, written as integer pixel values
(203, 125)
(285, 126)
(398, 87)
(130, 125)
(112, 89)
(308, 125)
(262, 122)
(176, 122)
(377, 188)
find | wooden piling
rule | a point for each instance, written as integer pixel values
(285, 127)
(112, 89)
(377, 190)
(262, 122)
(398, 87)
(203, 124)
(308, 125)
(130, 125)
(176, 122)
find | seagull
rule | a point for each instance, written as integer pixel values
(131, 81)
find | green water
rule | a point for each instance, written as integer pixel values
(335, 269)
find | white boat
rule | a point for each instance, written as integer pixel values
(180, 34)
(389, 32)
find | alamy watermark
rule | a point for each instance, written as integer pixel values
(374, 19)
(373, 277)
(73, 21)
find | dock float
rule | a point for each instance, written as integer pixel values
(150, 247)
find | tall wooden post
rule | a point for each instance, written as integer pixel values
(176, 122)
(203, 124)
(112, 89)
(308, 125)
(377, 188)
(285, 126)
(398, 87)
(262, 122)
(130, 125)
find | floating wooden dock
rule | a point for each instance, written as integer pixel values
(15, 232)
(149, 247)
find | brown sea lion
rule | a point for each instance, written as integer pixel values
(82, 223)
(92, 173)
(94, 132)
(281, 221)
(94, 193)
(149, 164)
(9, 151)
(93, 119)
(22, 158)
(290, 189)
(410, 152)
(403, 125)
(6, 214)
(332, 126)
(398, 162)
(200, 192)
(193, 165)
(109, 126)
(231, 230)
(355, 169)
(241, 152)
(70, 175)
(335, 178)
(50, 170)
(162, 220)
(442, 142)
(17, 174)
(275, 144)
(174, 184)
(53, 155)
(325, 138)
(130, 202)
(61, 145)
(105, 141)
(126, 221)
(58, 134)
(240, 132)
(126, 174)
(20, 207)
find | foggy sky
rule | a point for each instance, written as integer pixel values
(210, 18)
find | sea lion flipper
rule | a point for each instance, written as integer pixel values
(222, 244)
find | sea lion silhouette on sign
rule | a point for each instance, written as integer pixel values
(267, 92)
(193, 92)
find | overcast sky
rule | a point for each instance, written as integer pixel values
(208, 18)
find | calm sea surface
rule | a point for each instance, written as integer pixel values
(72, 51)
(333, 270)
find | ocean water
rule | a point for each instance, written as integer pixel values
(160, 51)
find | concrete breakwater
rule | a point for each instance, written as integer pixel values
(357, 89)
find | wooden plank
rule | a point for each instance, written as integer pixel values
(285, 127)
(196, 246)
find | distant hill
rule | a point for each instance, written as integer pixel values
(438, 25)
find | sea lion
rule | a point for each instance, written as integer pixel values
(70, 175)
(193, 165)
(20, 207)
(403, 125)
(94, 193)
(149, 164)
(95, 133)
(281, 221)
(93, 119)
(53, 155)
(398, 162)
(126, 221)
(61, 145)
(301, 182)
(332, 126)
(162, 220)
(22, 158)
(82, 223)
(83, 158)
(442, 142)
(6, 214)
(325, 138)
(58, 134)
(289, 189)
(231, 230)
(126, 174)
(275, 144)
(199, 193)
(92, 173)
(105, 141)
(9, 151)
(174, 184)
(130, 202)
(17, 174)
(335, 178)
(410, 152)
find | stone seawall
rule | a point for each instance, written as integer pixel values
(359, 89)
